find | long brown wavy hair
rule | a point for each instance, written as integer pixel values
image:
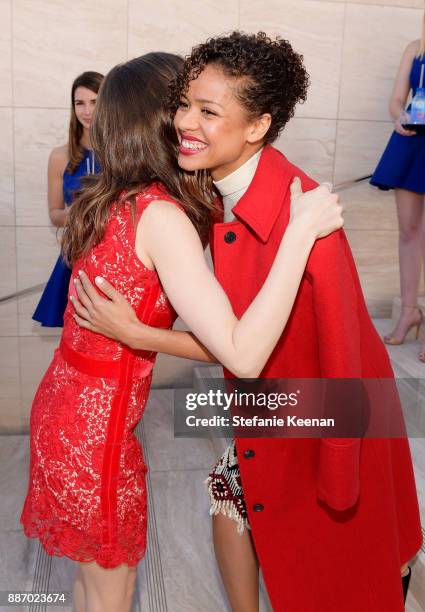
(91, 80)
(133, 138)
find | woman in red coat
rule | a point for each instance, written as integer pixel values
(332, 520)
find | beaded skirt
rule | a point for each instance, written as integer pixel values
(224, 486)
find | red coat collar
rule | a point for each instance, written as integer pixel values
(260, 205)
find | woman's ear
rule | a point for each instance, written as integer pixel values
(259, 128)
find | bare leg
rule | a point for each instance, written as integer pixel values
(108, 590)
(78, 593)
(422, 353)
(410, 219)
(237, 563)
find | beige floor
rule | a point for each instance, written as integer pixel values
(179, 572)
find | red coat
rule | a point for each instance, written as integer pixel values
(343, 555)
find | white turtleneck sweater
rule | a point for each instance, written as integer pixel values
(233, 186)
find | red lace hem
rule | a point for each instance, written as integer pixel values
(83, 551)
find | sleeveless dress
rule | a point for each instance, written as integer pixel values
(52, 304)
(86, 496)
(402, 164)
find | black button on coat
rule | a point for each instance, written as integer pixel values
(229, 237)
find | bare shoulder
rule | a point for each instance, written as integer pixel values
(165, 223)
(162, 211)
(59, 157)
(412, 48)
(165, 228)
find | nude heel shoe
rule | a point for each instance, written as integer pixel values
(392, 340)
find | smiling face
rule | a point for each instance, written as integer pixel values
(84, 103)
(213, 127)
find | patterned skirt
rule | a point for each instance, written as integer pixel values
(224, 486)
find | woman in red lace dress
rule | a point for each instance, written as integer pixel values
(87, 494)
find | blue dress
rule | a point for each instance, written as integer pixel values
(52, 304)
(402, 164)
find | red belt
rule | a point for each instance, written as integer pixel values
(100, 368)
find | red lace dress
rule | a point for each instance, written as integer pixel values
(86, 497)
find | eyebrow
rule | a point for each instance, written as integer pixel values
(203, 101)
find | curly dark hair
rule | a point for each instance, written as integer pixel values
(272, 76)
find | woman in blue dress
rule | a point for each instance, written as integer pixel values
(402, 168)
(67, 165)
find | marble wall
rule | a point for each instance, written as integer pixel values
(351, 51)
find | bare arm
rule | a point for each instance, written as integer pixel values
(313, 215)
(175, 342)
(114, 317)
(401, 87)
(58, 160)
(168, 238)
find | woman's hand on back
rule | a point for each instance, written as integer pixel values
(318, 208)
(112, 316)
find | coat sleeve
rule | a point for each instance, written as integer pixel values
(338, 329)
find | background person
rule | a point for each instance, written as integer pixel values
(402, 168)
(68, 164)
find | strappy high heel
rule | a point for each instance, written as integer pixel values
(394, 341)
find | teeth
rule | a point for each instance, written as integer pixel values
(190, 144)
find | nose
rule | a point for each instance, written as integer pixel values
(186, 121)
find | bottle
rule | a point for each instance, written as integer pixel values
(417, 110)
